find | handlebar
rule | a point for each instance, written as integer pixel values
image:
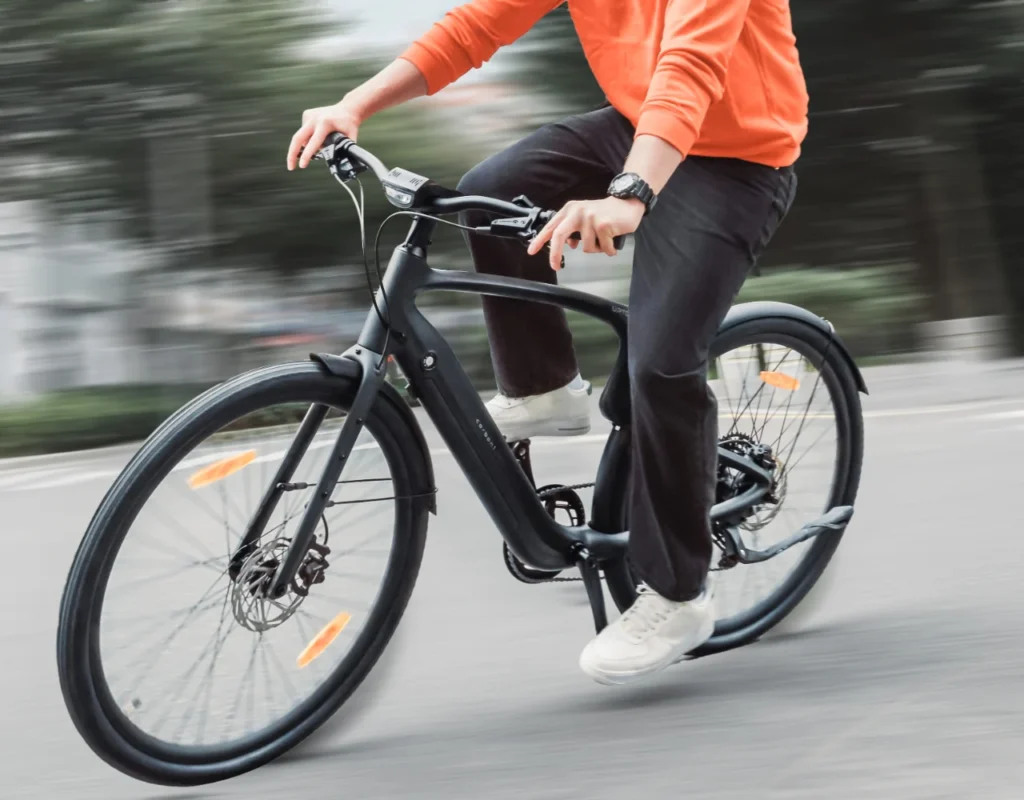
(413, 192)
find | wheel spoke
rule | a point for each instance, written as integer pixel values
(192, 650)
(758, 412)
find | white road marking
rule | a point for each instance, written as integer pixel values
(1003, 415)
(10, 480)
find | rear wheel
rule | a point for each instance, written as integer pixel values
(175, 668)
(781, 383)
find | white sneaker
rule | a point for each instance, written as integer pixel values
(652, 634)
(563, 412)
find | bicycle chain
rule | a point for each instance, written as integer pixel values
(557, 489)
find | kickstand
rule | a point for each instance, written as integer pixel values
(592, 581)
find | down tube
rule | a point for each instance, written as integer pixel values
(456, 409)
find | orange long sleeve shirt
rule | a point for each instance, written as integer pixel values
(710, 77)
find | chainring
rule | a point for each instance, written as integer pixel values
(556, 499)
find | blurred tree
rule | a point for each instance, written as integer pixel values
(177, 116)
(551, 62)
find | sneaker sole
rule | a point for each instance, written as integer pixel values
(576, 427)
(606, 678)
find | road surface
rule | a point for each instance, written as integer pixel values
(907, 685)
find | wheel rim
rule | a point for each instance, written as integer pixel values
(778, 391)
(214, 674)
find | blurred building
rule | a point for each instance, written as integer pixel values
(79, 307)
(64, 292)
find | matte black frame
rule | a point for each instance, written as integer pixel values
(439, 382)
(396, 327)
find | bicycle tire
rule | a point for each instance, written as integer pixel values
(89, 701)
(839, 377)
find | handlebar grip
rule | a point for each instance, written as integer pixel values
(618, 242)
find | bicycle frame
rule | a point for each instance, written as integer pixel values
(440, 383)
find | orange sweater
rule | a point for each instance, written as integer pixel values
(710, 77)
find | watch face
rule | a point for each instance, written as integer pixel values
(622, 183)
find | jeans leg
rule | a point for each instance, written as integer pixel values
(692, 255)
(531, 344)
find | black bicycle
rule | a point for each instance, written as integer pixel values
(285, 511)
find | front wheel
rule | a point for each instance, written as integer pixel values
(175, 667)
(781, 383)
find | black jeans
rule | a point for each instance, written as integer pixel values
(692, 254)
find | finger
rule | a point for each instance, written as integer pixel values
(545, 233)
(298, 140)
(605, 240)
(573, 243)
(558, 239)
(588, 236)
(316, 141)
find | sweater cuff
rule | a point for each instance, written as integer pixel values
(668, 126)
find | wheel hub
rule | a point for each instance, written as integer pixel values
(251, 604)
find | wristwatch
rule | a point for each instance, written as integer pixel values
(628, 185)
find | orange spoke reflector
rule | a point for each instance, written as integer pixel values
(323, 639)
(221, 469)
(780, 380)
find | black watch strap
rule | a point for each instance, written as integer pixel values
(629, 184)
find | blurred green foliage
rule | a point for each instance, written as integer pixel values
(82, 419)
(874, 309)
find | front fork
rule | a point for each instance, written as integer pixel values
(374, 370)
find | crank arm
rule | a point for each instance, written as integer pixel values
(835, 520)
(374, 370)
(591, 574)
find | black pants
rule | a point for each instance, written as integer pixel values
(692, 254)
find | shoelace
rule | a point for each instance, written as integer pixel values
(644, 616)
(502, 401)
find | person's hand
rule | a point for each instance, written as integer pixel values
(317, 125)
(598, 222)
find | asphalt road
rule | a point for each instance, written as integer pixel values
(906, 685)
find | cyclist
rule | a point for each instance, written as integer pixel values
(694, 153)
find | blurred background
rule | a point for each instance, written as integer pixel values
(152, 243)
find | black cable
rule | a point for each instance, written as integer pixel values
(360, 205)
(376, 262)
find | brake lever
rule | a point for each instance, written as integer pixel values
(525, 230)
(342, 167)
(618, 242)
